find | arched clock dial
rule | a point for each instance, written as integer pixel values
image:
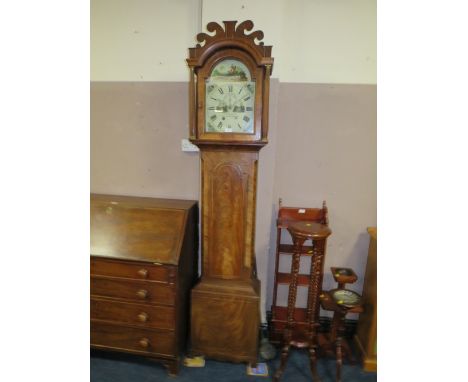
(230, 96)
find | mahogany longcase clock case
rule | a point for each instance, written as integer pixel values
(229, 90)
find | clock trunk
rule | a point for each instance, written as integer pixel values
(225, 304)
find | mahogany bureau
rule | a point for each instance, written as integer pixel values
(143, 265)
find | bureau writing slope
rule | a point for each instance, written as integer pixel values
(143, 265)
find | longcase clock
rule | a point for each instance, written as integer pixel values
(229, 88)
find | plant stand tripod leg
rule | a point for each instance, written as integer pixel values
(313, 362)
(339, 359)
(284, 358)
(339, 339)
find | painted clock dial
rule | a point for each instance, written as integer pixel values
(230, 99)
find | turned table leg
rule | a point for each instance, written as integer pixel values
(339, 359)
(313, 306)
(284, 358)
(313, 363)
(339, 330)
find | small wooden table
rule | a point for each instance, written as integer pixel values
(337, 329)
(300, 232)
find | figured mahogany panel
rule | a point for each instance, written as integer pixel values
(227, 228)
(228, 189)
(225, 325)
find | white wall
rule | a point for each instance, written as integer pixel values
(142, 40)
(328, 41)
(314, 41)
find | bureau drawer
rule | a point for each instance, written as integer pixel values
(143, 291)
(102, 267)
(160, 317)
(125, 338)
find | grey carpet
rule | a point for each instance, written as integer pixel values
(114, 367)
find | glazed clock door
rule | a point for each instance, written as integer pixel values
(229, 92)
(229, 99)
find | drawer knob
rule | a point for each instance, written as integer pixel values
(144, 343)
(143, 273)
(142, 293)
(143, 317)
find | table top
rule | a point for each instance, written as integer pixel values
(309, 229)
(328, 303)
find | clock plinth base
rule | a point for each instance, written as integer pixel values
(225, 320)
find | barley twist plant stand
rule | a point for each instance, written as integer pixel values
(300, 232)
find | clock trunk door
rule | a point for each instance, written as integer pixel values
(228, 213)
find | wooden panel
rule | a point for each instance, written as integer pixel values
(227, 224)
(366, 336)
(125, 338)
(123, 228)
(225, 326)
(160, 317)
(280, 313)
(289, 248)
(104, 267)
(228, 191)
(285, 278)
(291, 214)
(142, 291)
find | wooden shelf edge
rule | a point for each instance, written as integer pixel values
(285, 278)
(289, 249)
